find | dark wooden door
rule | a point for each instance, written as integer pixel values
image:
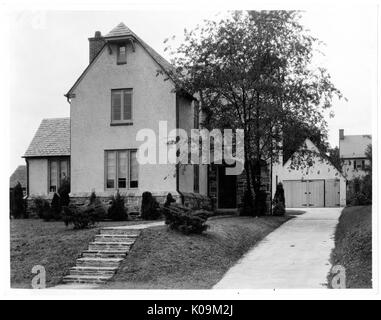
(227, 190)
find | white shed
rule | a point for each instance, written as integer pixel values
(316, 182)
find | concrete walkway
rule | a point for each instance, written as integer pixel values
(294, 256)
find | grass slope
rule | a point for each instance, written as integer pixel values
(50, 244)
(165, 259)
(353, 246)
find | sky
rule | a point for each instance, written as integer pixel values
(49, 50)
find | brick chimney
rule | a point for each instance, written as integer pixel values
(341, 134)
(95, 45)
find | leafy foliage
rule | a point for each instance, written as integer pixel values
(100, 210)
(150, 209)
(18, 207)
(42, 207)
(247, 204)
(279, 201)
(254, 71)
(117, 210)
(185, 220)
(55, 210)
(80, 217)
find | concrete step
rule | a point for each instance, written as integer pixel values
(99, 262)
(110, 246)
(128, 232)
(115, 238)
(93, 271)
(86, 279)
(104, 254)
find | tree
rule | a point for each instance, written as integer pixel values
(64, 191)
(17, 202)
(253, 71)
(117, 210)
(334, 157)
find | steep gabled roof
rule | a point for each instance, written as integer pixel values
(19, 175)
(122, 31)
(311, 147)
(51, 139)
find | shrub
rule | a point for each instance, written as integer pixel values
(41, 207)
(18, 208)
(117, 211)
(99, 208)
(185, 220)
(55, 210)
(64, 192)
(362, 195)
(80, 217)
(279, 202)
(247, 206)
(150, 209)
(359, 199)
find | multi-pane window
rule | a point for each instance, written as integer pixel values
(121, 55)
(196, 178)
(121, 105)
(58, 173)
(122, 169)
(359, 164)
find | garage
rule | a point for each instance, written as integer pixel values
(313, 182)
(312, 193)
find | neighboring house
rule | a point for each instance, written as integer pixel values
(18, 176)
(119, 93)
(352, 154)
(311, 181)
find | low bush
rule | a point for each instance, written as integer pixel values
(80, 217)
(41, 207)
(117, 210)
(150, 209)
(359, 199)
(54, 212)
(260, 205)
(100, 210)
(185, 220)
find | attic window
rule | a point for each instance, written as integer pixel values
(122, 55)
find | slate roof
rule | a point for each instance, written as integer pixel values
(18, 176)
(354, 146)
(51, 139)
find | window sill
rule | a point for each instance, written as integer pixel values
(126, 123)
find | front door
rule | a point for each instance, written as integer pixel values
(227, 189)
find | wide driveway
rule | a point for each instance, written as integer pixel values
(296, 255)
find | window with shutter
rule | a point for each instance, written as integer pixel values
(121, 106)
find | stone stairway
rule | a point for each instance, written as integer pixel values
(101, 261)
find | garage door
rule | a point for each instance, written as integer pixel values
(306, 193)
(332, 193)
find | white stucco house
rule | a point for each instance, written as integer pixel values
(311, 182)
(119, 93)
(354, 160)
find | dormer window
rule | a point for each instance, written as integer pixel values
(122, 54)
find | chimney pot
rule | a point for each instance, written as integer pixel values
(98, 34)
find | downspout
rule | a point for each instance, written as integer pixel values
(177, 164)
(27, 178)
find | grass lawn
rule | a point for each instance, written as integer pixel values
(353, 246)
(165, 259)
(50, 244)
